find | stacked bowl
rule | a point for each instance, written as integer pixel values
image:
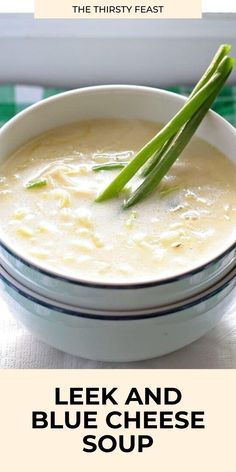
(115, 321)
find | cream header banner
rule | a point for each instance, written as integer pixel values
(102, 9)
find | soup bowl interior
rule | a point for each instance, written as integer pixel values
(127, 102)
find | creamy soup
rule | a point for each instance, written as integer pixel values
(188, 220)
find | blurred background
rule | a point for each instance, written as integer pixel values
(72, 53)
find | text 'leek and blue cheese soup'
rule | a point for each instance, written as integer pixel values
(187, 221)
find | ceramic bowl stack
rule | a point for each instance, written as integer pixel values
(108, 321)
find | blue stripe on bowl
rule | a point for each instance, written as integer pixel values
(127, 286)
(118, 317)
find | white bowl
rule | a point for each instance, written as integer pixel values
(118, 338)
(116, 102)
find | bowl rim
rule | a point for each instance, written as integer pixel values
(118, 286)
(70, 310)
(106, 284)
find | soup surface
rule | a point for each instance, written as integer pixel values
(187, 221)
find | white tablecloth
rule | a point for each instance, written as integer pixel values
(19, 349)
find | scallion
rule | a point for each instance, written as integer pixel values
(174, 136)
(109, 166)
(36, 183)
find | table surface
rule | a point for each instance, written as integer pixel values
(20, 350)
